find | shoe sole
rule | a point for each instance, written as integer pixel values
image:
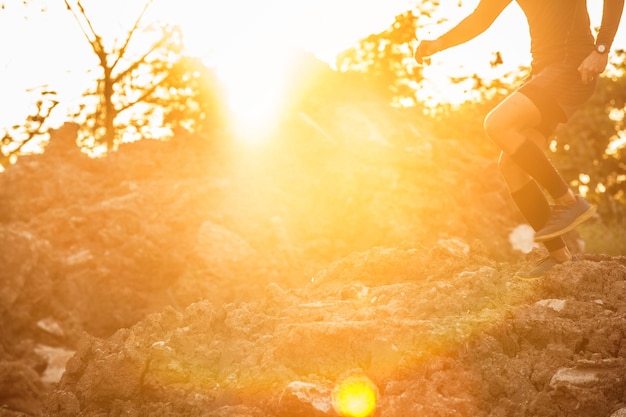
(531, 278)
(577, 222)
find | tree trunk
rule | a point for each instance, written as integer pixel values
(109, 109)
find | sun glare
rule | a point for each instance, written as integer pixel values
(254, 79)
(355, 396)
(250, 52)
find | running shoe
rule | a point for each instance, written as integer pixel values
(565, 218)
(542, 267)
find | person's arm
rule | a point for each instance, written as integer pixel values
(473, 25)
(597, 61)
(611, 16)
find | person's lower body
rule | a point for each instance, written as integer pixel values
(536, 209)
(519, 126)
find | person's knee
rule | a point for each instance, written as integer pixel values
(495, 127)
(505, 124)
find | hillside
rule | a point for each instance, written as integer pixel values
(195, 278)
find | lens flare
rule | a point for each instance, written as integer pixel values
(355, 396)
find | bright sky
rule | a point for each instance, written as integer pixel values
(48, 48)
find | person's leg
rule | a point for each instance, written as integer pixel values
(534, 206)
(508, 125)
(530, 199)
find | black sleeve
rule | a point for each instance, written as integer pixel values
(611, 15)
(476, 23)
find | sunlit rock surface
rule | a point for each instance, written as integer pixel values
(184, 278)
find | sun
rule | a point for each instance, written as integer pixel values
(251, 47)
(254, 77)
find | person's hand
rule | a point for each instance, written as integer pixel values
(592, 66)
(426, 48)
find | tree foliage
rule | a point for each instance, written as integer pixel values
(143, 86)
(583, 148)
(191, 94)
(16, 138)
(147, 94)
(385, 60)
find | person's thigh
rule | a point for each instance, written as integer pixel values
(508, 122)
(558, 92)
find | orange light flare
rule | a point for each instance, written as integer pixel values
(355, 396)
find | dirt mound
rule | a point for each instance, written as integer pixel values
(193, 278)
(448, 335)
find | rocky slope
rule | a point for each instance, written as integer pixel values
(190, 278)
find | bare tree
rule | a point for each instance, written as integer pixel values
(125, 81)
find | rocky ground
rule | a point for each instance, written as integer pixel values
(188, 278)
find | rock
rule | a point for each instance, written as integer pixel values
(222, 249)
(20, 258)
(303, 399)
(455, 247)
(619, 413)
(20, 388)
(236, 411)
(556, 305)
(62, 404)
(56, 359)
(575, 377)
(51, 326)
(589, 388)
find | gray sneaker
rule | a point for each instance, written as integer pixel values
(565, 218)
(542, 267)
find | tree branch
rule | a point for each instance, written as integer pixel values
(141, 98)
(122, 50)
(140, 61)
(87, 28)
